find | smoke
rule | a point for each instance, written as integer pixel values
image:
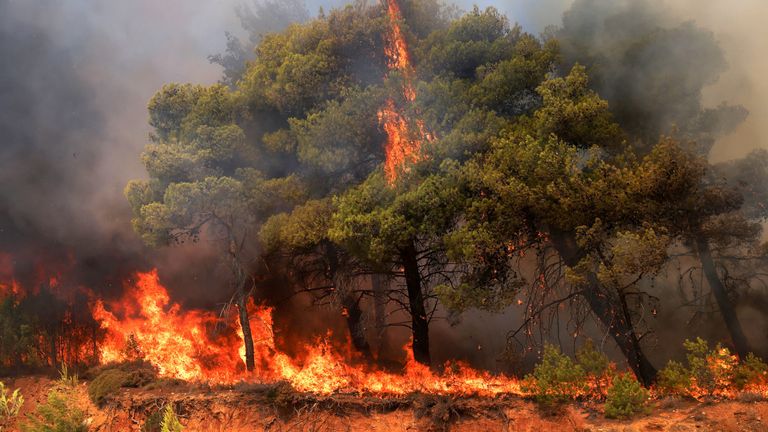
(74, 84)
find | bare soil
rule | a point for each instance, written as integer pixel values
(277, 408)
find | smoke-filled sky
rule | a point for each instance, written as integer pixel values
(76, 76)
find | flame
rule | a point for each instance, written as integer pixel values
(403, 145)
(181, 344)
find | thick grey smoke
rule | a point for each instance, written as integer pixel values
(74, 84)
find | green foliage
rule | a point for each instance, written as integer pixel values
(674, 379)
(17, 333)
(169, 422)
(626, 397)
(576, 114)
(154, 421)
(106, 384)
(593, 362)
(475, 39)
(751, 371)
(10, 404)
(109, 379)
(556, 379)
(709, 371)
(59, 413)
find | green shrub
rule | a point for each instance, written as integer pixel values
(596, 366)
(59, 413)
(170, 423)
(674, 379)
(626, 397)
(556, 379)
(751, 371)
(105, 384)
(154, 422)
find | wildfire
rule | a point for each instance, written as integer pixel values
(403, 145)
(201, 346)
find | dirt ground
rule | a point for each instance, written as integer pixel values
(274, 408)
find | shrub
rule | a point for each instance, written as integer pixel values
(674, 379)
(626, 397)
(170, 423)
(105, 384)
(596, 366)
(556, 379)
(750, 372)
(10, 404)
(154, 422)
(710, 370)
(59, 413)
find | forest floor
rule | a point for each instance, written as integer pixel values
(277, 408)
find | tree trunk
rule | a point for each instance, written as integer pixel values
(241, 297)
(379, 306)
(245, 324)
(612, 312)
(351, 305)
(355, 324)
(740, 343)
(419, 323)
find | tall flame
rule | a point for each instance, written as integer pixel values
(403, 145)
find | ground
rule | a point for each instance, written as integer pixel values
(277, 408)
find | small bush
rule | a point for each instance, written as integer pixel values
(154, 422)
(674, 379)
(106, 384)
(10, 404)
(556, 379)
(626, 397)
(170, 423)
(596, 365)
(59, 413)
(594, 362)
(752, 371)
(109, 380)
(710, 370)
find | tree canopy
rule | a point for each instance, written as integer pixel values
(553, 176)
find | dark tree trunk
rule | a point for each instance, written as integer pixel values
(740, 343)
(241, 297)
(245, 324)
(419, 322)
(349, 302)
(355, 324)
(611, 310)
(379, 306)
(52, 347)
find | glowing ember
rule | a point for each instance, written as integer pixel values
(403, 145)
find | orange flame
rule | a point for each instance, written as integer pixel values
(185, 345)
(403, 145)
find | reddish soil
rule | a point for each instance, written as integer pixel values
(274, 408)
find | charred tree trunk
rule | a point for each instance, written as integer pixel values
(740, 343)
(612, 311)
(350, 303)
(419, 322)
